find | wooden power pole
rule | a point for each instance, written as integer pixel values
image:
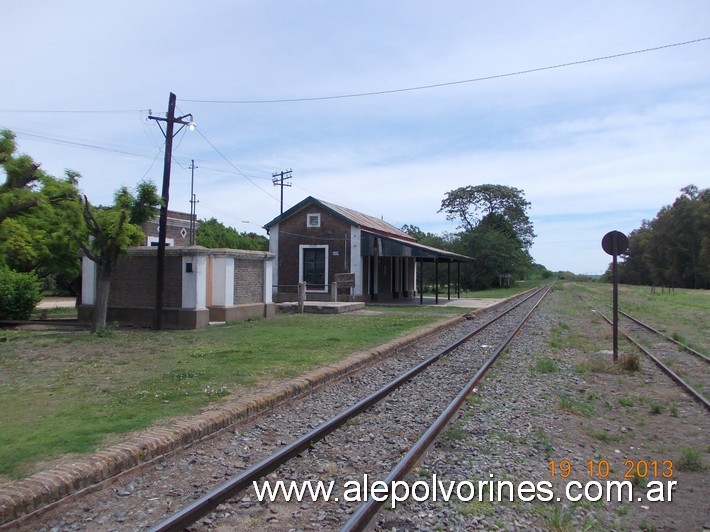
(169, 132)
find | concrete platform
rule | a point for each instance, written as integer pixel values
(322, 307)
(56, 302)
(463, 302)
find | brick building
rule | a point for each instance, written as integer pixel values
(177, 231)
(315, 241)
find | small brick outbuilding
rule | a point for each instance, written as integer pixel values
(201, 285)
(316, 242)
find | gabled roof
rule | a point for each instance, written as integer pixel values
(365, 222)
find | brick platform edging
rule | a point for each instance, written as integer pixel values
(37, 492)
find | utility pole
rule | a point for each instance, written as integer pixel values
(193, 200)
(169, 132)
(279, 178)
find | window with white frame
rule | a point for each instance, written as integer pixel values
(313, 220)
(154, 241)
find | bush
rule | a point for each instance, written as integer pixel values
(19, 294)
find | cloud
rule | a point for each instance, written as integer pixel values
(596, 146)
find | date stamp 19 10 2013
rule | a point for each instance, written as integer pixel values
(633, 469)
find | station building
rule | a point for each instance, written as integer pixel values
(318, 242)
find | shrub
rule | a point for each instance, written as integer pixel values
(630, 362)
(19, 294)
(691, 460)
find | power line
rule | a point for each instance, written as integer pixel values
(450, 83)
(27, 135)
(109, 111)
(233, 165)
(66, 142)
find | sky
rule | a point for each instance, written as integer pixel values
(381, 107)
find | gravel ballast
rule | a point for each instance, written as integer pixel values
(539, 404)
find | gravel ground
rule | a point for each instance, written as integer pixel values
(523, 416)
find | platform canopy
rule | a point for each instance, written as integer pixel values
(388, 246)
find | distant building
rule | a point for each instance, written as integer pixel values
(177, 230)
(200, 285)
(316, 241)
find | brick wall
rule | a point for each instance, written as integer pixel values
(248, 281)
(178, 222)
(133, 282)
(333, 232)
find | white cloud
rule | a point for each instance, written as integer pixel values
(594, 146)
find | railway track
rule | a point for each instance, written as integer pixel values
(517, 421)
(367, 438)
(689, 368)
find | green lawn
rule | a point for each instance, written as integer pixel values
(67, 392)
(681, 314)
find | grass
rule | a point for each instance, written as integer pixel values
(544, 440)
(501, 293)
(656, 408)
(575, 406)
(603, 436)
(557, 517)
(72, 392)
(691, 460)
(626, 401)
(545, 364)
(676, 314)
(454, 432)
(478, 508)
(630, 362)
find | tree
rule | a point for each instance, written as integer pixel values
(635, 267)
(496, 231)
(673, 249)
(214, 234)
(471, 204)
(109, 231)
(38, 215)
(495, 253)
(17, 194)
(445, 241)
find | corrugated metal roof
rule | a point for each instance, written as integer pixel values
(371, 224)
(367, 222)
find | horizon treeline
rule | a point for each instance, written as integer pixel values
(673, 249)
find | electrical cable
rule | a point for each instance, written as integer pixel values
(450, 83)
(114, 111)
(54, 140)
(234, 166)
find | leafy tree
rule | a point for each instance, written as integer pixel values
(496, 231)
(495, 253)
(38, 215)
(214, 234)
(673, 249)
(445, 241)
(17, 194)
(109, 231)
(471, 204)
(635, 268)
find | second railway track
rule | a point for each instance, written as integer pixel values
(518, 420)
(689, 368)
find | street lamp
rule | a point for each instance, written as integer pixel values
(170, 121)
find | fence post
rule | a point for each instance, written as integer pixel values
(334, 291)
(301, 295)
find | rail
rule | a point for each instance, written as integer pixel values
(207, 503)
